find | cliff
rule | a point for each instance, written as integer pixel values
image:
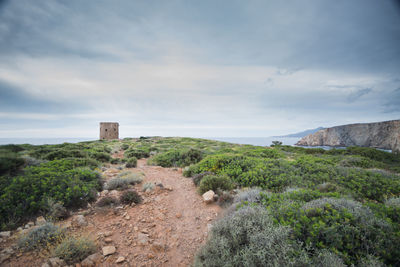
(385, 135)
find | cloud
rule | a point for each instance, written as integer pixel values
(202, 69)
(392, 105)
(354, 96)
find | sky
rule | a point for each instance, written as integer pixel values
(226, 68)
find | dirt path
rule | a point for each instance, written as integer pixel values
(165, 230)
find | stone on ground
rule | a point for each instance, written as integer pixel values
(208, 196)
(108, 250)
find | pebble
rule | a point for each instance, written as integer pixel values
(108, 250)
(120, 259)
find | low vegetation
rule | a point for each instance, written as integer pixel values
(41, 236)
(123, 181)
(297, 206)
(130, 196)
(73, 250)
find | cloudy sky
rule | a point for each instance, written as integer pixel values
(196, 68)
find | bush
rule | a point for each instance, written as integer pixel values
(131, 162)
(101, 156)
(10, 163)
(124, 146)
(55, 210)
(129, 197)
(198, 177)
(214, 182)
(249, 196)
(27, 194)
(40, 237)
(74, 250)
(147, 187)
(64, 153)
(115, 161)
(106, 201)
(123, 181)
(248, 237)
(138, 153)
(177, 157)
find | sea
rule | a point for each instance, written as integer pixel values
(257, 141)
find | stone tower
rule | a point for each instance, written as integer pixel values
(109, 130)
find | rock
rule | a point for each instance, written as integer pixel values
(108, 240)
(79, 220)
(143, 239)
(5, 234)
(56, 262)
(26, 226)
(108, 233)
(40, 220)
(31, 224)
(383, 135)
(127, 217)
(208, 196)
(178, 215)
(108, 250)
(92, 260)
(45, 265)
(120, 260)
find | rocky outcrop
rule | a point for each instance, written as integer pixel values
(385, 135)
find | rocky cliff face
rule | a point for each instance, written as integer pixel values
(385, 135)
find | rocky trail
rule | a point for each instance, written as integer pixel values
(166, 229)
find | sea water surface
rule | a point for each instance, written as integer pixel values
(257, 141)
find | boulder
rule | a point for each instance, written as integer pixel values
(208, 196)
(108, 250)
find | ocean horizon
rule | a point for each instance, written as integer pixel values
(257, 141)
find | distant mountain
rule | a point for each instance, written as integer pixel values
(303, 133)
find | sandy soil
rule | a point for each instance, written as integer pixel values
(165, 230)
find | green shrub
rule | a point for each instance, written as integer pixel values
(25, 195)
(106, 201)
(370, 185)
(138, 153)
(129, 197)
(115, 161)
(101, 156)
(248, 237)
(124, 146)
(177, 157)
(214, 182)
(10, 162)
(198, 177)
(40, 237)
(74, 250)
(131, 162)
(63, 153)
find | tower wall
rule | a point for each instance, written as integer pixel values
(109, 130)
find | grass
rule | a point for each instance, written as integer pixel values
(123, 181)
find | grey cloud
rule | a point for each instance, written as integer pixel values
(392, 103)
(357, 94)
